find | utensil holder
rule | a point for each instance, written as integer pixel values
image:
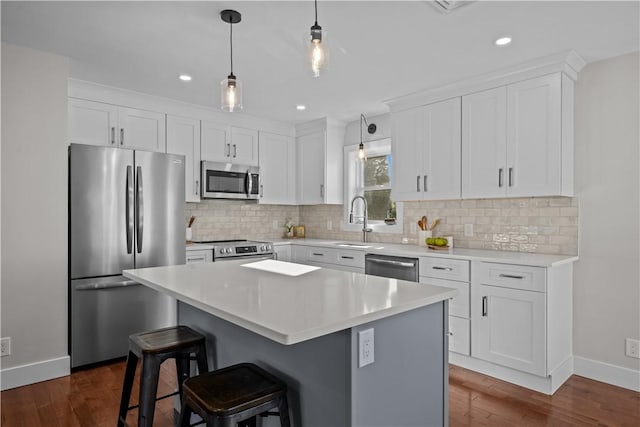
(189, 234)
(422, 235)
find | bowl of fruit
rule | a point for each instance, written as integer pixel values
(439, 243)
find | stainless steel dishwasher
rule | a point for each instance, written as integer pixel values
(393, 267)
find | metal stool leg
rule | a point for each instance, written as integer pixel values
(283, 408)
(148, 390)
(183, 369)
(201, 358)
(185, 413)
(129, 376)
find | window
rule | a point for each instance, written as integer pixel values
(371, 178)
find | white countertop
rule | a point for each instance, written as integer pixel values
(288, 309)
(199, 246)
(505, 257)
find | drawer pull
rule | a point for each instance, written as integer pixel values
(484, 307)
(450, 334)
(317, 254)
(511, 276)
(346, 257)
(435, 267)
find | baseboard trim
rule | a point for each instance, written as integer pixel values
(31, 373)
(607, 373)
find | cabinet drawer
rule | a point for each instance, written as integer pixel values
(459, 341)
(444, 268)
(199, 256)
(458, 305)
(510, 276)
(350, 258)
(323, 255)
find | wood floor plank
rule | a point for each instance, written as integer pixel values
(91, 398)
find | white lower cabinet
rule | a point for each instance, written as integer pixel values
(451, 273)
(337, 259)
(199, 256)
(282, 252)
(509, 328)
(521, 316)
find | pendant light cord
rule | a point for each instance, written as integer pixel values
(231, 44)
(316, 4)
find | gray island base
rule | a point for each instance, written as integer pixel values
(301, 323)
(405, 386)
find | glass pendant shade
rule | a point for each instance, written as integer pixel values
(362, 155)
(231, 94)
(318, 51)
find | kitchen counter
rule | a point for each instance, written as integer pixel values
(504, 257)
(306, 329)
(288, 309)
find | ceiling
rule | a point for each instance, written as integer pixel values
(379, 49)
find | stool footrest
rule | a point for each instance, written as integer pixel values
(157, 398)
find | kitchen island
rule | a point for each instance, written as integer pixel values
(302, 323)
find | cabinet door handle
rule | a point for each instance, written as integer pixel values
(511, 177)
(113, 135)
(435, 267)
(511, 276)
(197, 186)
(261, 191)
(275, 256)
(484, 307)
(235, 151)
(316, 254)
(228, 150)
(500, 173)
(321, 190)
(418, 183)
(424, 185)
(121, 136)
(346, 257)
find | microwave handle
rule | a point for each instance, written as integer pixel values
(249, 185)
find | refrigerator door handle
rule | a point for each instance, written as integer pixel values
(108, 285)
(139, 209)
(129, 209)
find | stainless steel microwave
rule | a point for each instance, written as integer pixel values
(229, 181)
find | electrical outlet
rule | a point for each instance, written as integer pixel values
(468, 230)
(329, 225)
(365, 347)
(5, 346)
(274, 225)
(632, 348)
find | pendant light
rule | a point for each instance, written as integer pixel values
(371, 128)
(318, 49)
(231, 87)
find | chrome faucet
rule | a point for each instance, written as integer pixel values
(365, 229)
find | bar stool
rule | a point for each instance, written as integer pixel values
(154, 347)
(234, 394)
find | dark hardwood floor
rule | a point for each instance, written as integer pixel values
(91, 398)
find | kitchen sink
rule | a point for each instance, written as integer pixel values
(353, 245)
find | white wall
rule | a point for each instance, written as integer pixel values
(34, 214)
(607, 279)
(352, 131)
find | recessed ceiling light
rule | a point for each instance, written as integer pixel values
(184, 77)
(301, 107)
(503, 41)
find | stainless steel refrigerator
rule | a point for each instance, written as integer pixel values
(126, 210)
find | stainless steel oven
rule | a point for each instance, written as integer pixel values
(226, 250)
(230, 181)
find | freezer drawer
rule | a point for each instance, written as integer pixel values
(105, 311)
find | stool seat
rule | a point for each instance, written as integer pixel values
(154, 347)
(233, 394)
(165, 340)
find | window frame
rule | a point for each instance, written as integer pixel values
(353, 176)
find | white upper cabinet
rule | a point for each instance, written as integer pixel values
(484, 143)
(517, 140)
(229, 144)
(277, 169)
(319, 146)
(98, 123)
(244, 146)
(183, 137)
(426, 152)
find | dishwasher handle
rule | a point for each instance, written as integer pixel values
(392, 262)
(106, 285)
